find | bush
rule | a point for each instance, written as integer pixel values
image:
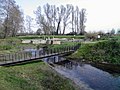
(107, 51)
(5, 47)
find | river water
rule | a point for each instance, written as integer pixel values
(85, 75)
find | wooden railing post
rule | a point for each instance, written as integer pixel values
(64, 49)
(51, 51)
(9, 56)
(35, 54)
(4, 59)
(12, 57)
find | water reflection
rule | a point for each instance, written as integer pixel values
(86, 73)
(53, 59)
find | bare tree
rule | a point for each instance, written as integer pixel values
(82, 21)
(11, 17)
(72, 18)
(38, 16)
(54, 13)
(16, 18)
(42, 22)
(50, 12)
(29, 23)
(59, 18)
(4, 14)
(77, 20)
(60, 12)
(66, 17)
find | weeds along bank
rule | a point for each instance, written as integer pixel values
(105, 51)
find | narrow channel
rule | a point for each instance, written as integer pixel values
(85, 75)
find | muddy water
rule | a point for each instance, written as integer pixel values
(86, 75)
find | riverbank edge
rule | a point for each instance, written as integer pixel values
(62, 76)
(82, 86)
(110, 67)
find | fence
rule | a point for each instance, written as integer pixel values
(30, 55)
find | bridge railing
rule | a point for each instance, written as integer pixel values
(22, 56)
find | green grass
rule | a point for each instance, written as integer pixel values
(65, 44)
(116, 37)
(11, 45)
(105, 51)
(50, 36)
(82, 52)
(34, 76)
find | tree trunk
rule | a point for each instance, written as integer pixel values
(58, 27)
(64, 29)
(5, 32)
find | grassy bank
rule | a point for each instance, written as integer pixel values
(34, 76)
(105, 51)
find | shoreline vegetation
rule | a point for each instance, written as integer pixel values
(101, 54)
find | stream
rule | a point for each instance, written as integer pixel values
(85, 75)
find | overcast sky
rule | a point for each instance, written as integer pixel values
(101, 14)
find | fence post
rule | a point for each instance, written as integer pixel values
(47, 52)
(58, 51)
(20, 55)
(26, 55)
(12, 57)
(5, 58)
(39, 53)
(50, 51)
(54, 50)
(35, 54)
(43, 52)
(64, 49)
(9, 56)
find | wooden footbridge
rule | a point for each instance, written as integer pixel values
(28, 56)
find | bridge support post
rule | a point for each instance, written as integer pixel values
(54, 60)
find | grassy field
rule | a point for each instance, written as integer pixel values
(33, 76)
(50, 36)
(63, 45)
(11, 45)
